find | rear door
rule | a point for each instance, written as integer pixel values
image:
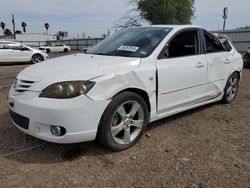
(17, 53)
(182, 72)
(219, 62)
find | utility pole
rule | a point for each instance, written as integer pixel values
(225, 13)
(14, 27)
(108, 32)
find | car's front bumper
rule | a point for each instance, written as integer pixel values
(79, 116)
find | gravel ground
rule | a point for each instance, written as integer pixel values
(204, 147)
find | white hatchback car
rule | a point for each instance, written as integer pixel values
(134, 77)
(14, 52)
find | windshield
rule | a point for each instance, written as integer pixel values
(137, 42)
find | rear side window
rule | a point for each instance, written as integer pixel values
(212, 44)
(227, 46)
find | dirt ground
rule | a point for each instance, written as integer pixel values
(204, 147)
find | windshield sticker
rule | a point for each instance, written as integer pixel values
(128, 48)
(143, 52)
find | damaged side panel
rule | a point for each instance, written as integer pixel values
(108, 86)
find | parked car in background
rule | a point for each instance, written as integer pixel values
(131, 78)
(84, 50)
(55, 48)
(14, 52)
(246, 59)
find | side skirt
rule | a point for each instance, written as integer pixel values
(155, 117)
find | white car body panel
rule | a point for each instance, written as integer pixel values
(84, 67)
(190, 87)
(170, 85)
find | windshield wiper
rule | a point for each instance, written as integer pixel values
(101, 54)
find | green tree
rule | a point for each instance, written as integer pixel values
(18, 32)
(7, 32)
(166, 11)
(158, 12)
(46, 25)
(24, 25)
(3, 25)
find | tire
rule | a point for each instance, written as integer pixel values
(123, 122)
(66, 50)
(36, 58)
(231, 89)
(246, 61)
(246, 64)
(47, 51)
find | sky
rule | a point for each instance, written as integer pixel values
(95, 17)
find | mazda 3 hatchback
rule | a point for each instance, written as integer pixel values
(133, 77)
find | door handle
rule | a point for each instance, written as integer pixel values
(227, 61)
(200, 65)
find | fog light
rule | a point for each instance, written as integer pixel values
(57, 130)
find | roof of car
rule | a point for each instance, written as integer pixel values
(177, 26)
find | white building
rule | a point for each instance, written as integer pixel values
(31, 39)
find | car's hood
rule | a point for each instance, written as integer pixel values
(75, 67)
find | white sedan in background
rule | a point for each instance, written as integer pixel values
(134, 77)
(14, 52)
(55, 48)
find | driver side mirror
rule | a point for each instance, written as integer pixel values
(165, 52)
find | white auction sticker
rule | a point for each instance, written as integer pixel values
(128, 48)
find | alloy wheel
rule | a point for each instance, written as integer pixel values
(232, 88)
(127, 122)
(37, 58)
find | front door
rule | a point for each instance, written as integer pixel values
(182, 72)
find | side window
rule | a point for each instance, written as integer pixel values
(13, 46)
(212, 45)
(183, 44)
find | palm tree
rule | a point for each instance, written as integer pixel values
(3, 25)
(24, 25)
(7, 32)
(46, 25)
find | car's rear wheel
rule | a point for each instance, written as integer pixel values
(47, 51)
(231, 89)
(37, 58)
(123, 122)
(65, 50)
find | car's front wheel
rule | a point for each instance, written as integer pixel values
(231, 89)
(123, 122)
(37, 58)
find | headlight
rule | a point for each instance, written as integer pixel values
(67, 90)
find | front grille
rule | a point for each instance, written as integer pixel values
(19, 120)
(23, 85)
